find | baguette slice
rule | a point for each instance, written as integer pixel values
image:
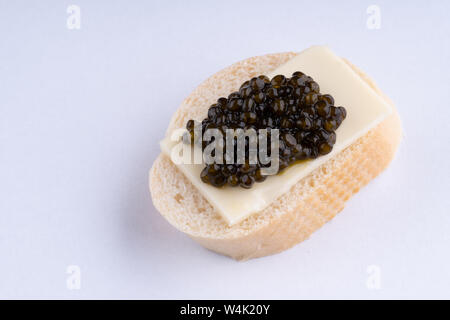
(295, 215)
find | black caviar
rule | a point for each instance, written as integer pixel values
(306, 120)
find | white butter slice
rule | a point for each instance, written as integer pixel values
(365, 109)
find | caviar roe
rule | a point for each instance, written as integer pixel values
(306, 120)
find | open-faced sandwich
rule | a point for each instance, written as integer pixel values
(266, 151)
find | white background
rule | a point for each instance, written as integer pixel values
(82, 111)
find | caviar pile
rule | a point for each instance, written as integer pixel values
(306, 120)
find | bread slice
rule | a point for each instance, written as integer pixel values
(294, 216)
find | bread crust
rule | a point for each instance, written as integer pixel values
(293, 217)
